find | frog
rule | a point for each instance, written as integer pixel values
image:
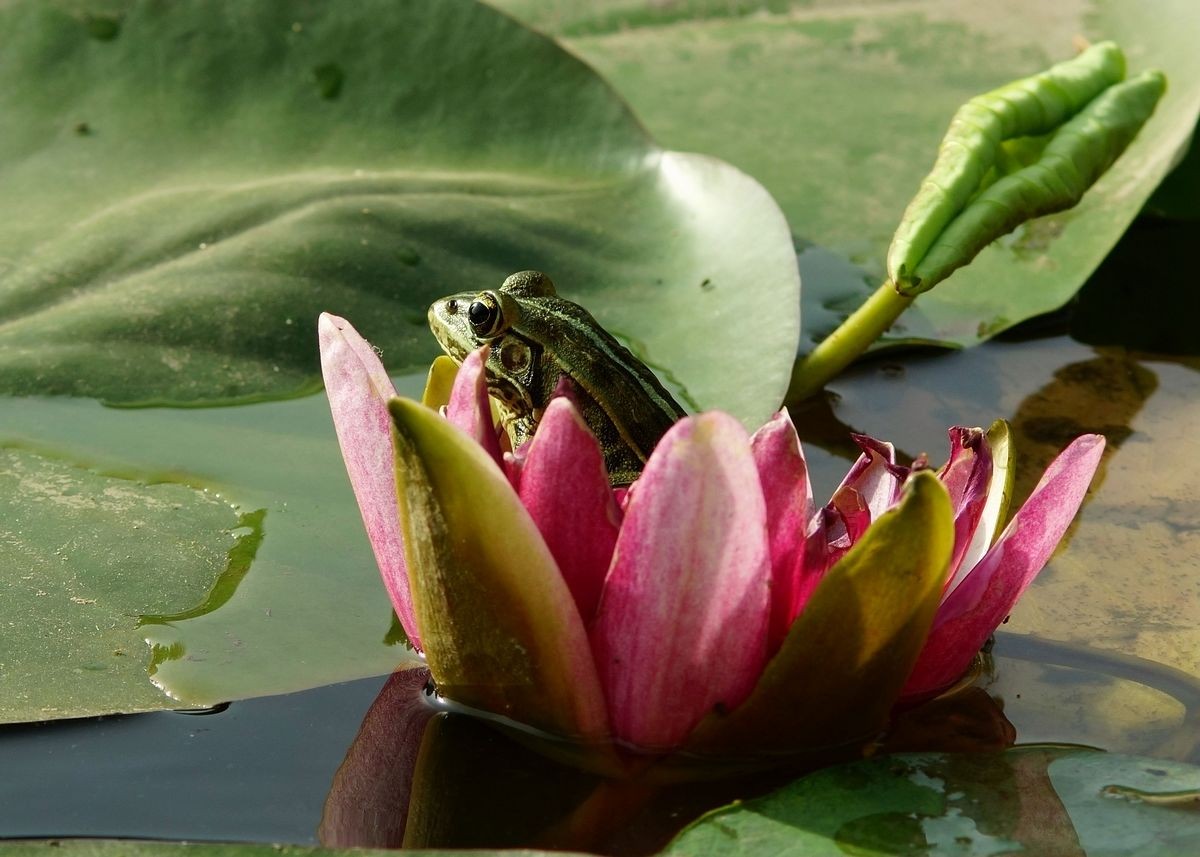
(541, 342)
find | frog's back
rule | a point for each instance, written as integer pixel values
(636, 404)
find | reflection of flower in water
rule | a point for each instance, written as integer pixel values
(420, 776)
(368, 803)
(710, 609)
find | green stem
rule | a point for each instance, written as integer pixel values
(851, 339)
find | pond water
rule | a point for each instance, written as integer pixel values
(1103, 651)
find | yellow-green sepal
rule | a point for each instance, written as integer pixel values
(847, 656)
(499, 627)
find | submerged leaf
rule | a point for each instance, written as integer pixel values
(84, 555)
(1033, 800)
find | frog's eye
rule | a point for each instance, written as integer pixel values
(485, 316)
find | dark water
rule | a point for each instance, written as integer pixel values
(258, 770)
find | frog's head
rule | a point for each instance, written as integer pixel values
(468, 320)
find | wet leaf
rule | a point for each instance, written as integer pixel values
(1045, 800)
(297, 601)
(838, 111)
(188, 185)
(85, 557)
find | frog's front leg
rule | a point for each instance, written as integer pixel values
(521, 428)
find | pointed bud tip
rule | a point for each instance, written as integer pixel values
(329, 324)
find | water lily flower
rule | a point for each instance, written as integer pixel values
(711, 609)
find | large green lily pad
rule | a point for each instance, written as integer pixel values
(187, 185)
(838, 111)
(1030, 800)
(84, 556)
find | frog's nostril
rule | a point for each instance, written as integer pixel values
(451, 306)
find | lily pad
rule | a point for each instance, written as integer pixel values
(83, 555)
(838, 111)
(297, 602)
(189, 185)
(1036, 800)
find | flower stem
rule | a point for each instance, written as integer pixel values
(851, 339)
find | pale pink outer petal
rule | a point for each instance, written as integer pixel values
(682, 625)
(564, 487)
(968, 478)
(469, 408)
(783, 474)
(359, 388)
(977, 607)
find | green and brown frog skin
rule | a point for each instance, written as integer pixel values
(537, 338)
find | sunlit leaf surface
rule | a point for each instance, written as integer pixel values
(838, 110)
(1032, 800)
(189, 185)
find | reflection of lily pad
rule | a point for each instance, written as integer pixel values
(1031, 800)
(247, 164)
(838, 111)
(82, 555)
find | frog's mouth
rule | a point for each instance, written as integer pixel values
(445, 321)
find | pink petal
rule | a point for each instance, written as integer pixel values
(995, 507)
(564, 487)
(469, 407)
(820, 555)
(977, 607)
(681, 628)
(967, 476)
(359, 388)
(876, 475)
(783, 474)
(871, 487)
(848, 518)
